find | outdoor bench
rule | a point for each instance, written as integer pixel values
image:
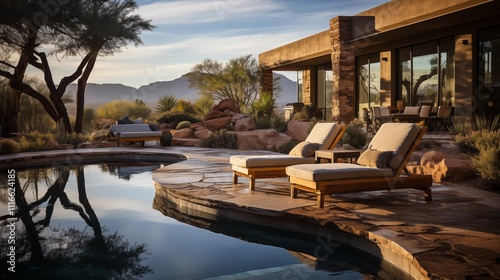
(134, 133)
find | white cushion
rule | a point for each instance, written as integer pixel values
(323, 134)
(396, 137)
(268, 160)
(304, 149)
(139, 134)
(335, 171)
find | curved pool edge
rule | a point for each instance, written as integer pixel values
(56, 158)
(394, 262)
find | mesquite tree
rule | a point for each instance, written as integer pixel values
(88, 28)
(238, 79)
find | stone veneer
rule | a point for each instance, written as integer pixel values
(343, 67)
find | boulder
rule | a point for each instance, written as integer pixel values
(52, 144)
(444, 168)
(298, 130)
(201, 133)
(182, 133)
(213, 115)
(214, 124)
(243, 122)
(226, 104)
(260, 139)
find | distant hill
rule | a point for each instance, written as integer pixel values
(98, 94)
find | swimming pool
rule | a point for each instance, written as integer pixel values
(97, 222)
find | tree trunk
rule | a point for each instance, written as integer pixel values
(80, 93)
(19, 73)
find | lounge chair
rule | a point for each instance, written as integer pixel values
(323, 136)
(380, 167)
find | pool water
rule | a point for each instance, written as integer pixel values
(97, 222)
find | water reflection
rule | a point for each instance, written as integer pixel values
(44, 251)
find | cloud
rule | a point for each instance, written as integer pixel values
(195, 12)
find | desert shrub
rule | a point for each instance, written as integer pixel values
(465, 126)
(287, 147)
(203, 105)
(166, 103)
(183, 124)
(100, 124)
(354, 136)
(8, 146)
(280, 124)
(34, 141)
(117, 109)
(184, 106)
(220, 139)
(486, 159)
(308, 112)
(62, 137)
(177, 118)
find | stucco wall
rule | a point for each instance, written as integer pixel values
(399, 13)
(309, 47)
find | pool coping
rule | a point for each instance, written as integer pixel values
(418, 243)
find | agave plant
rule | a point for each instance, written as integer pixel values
(166, 103)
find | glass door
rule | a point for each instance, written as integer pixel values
(488, 80)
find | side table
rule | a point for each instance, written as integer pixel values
(334, 155)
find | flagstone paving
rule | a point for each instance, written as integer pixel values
(456, 236)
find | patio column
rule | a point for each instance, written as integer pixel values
(267, 81)
(343, 67)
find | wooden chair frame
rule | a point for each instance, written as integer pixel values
(253, 173)
(397, 181)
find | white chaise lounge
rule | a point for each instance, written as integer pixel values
(378, 168)
(323, 136)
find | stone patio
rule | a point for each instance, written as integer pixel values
(456, 236)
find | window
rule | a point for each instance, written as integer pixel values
(369, 82)
(299, 85)
(324, 96)
(427, 73)
(488, 80)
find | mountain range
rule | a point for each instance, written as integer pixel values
(98, 94)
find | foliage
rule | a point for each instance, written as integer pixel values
(8, 146)
(176, 118)
(271, 121)
(184, 106)
(221, 139)
(117, 109)
(85, 28)
(183, 124)
(464, 126)
(203, 105)
(265, 115)
(88, 117)
(354, 136)
(486, 159)
(308, 112)
(63, 137)
(100, 124)
(34, 141)
(238, 79)
(166, 103)
(264, 105)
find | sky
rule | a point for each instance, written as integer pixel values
(189, 31)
